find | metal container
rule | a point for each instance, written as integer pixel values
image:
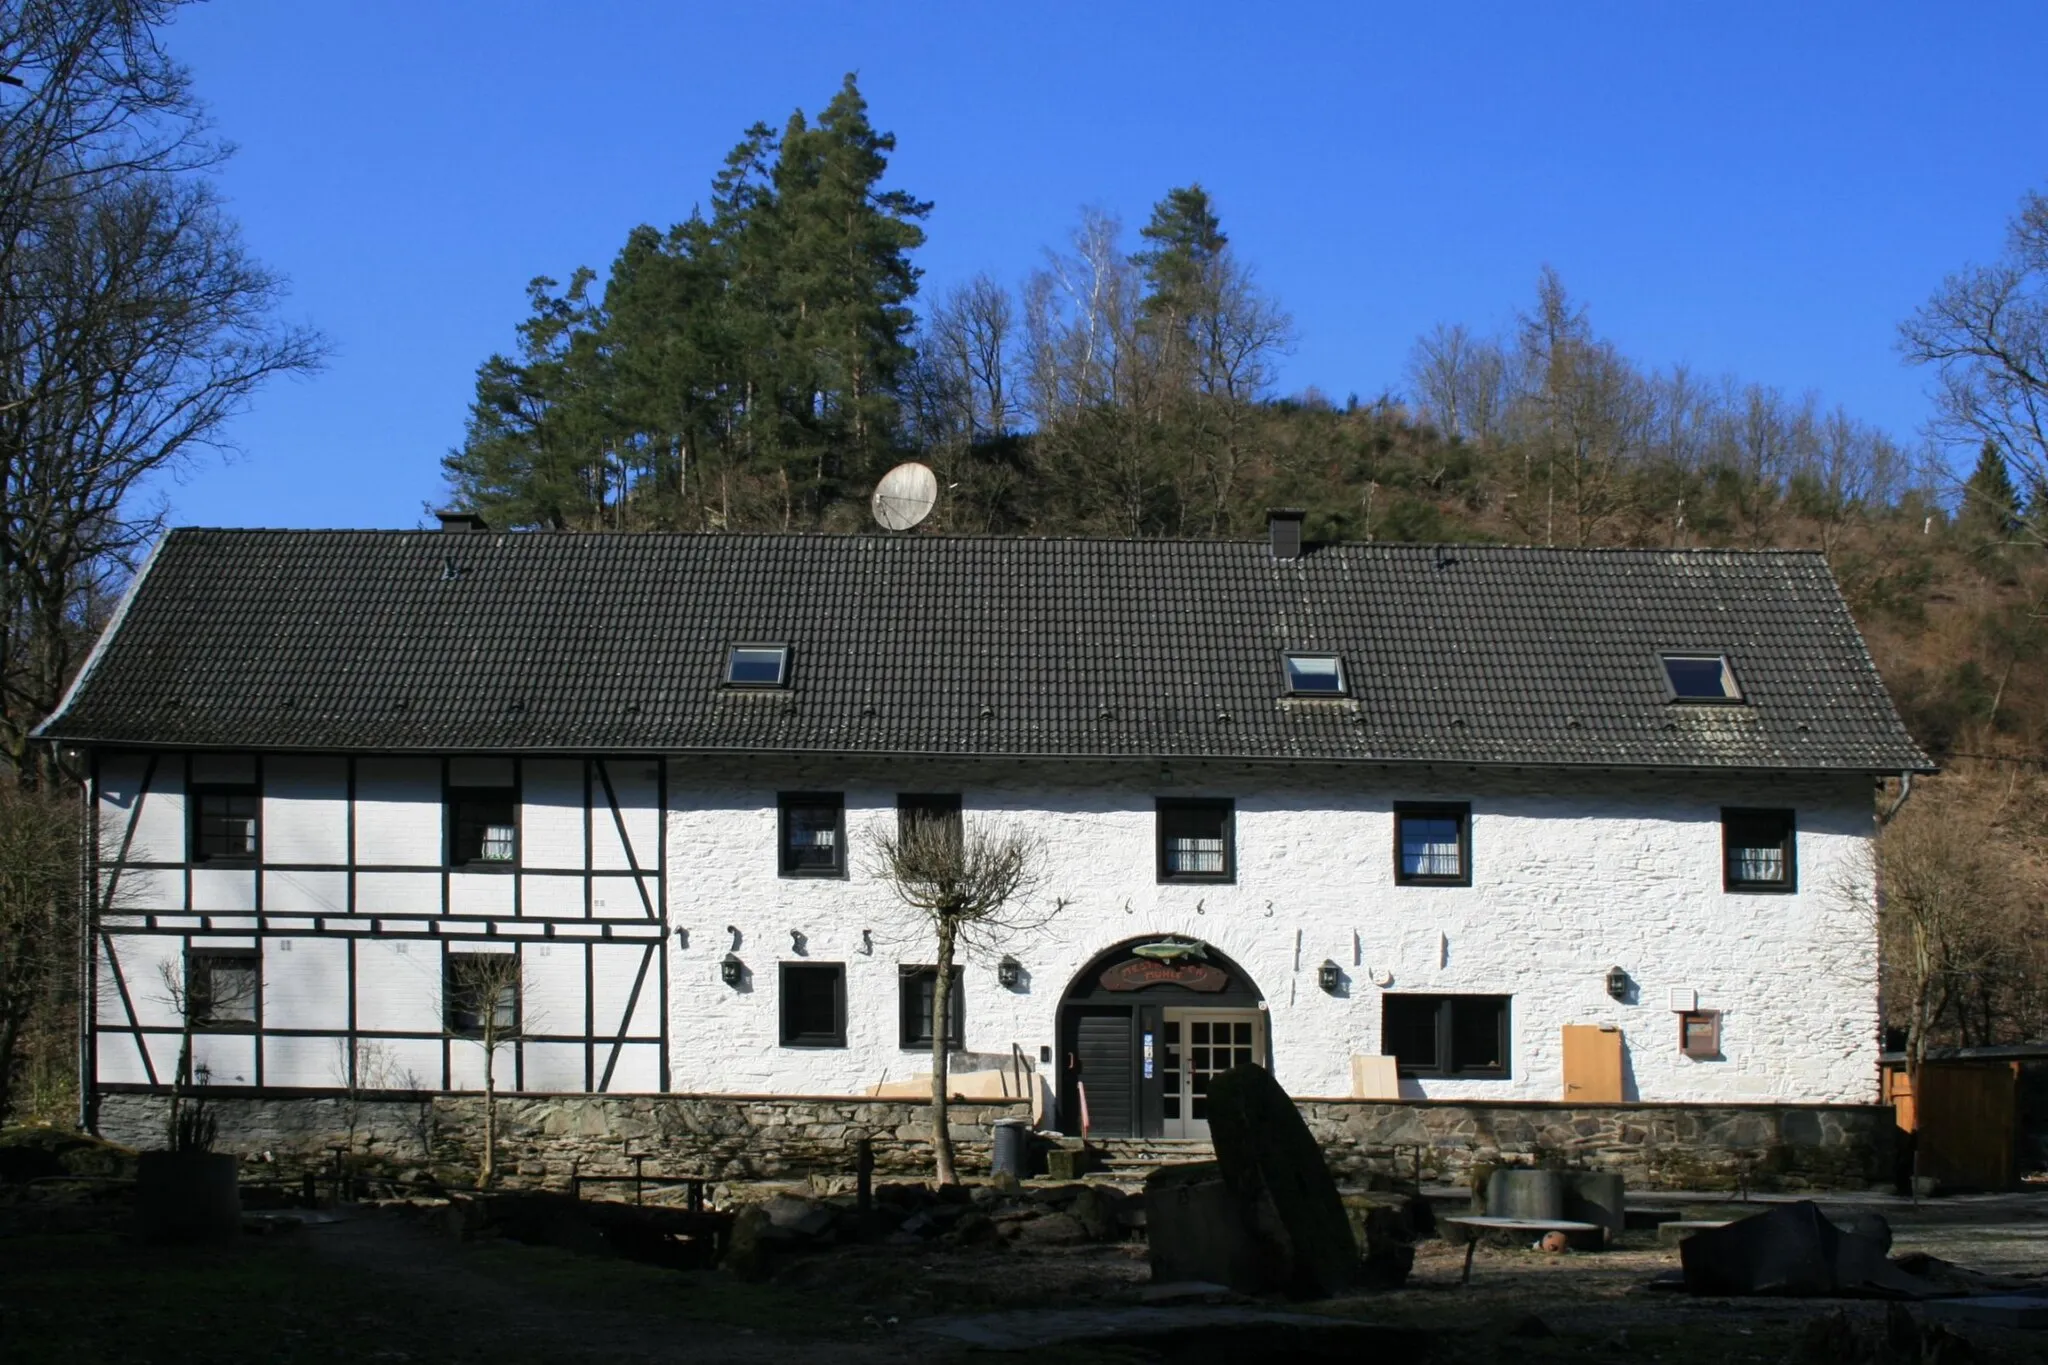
(1011, 1149)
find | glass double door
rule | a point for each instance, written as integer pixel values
(1195, 1046)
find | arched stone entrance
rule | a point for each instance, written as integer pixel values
(1144, 1026)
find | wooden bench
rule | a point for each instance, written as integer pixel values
(1469, 1228)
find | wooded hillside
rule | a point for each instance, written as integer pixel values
(760, 365)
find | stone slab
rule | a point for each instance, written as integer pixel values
(1675, 1230)
(1580, 1236)
(1992, 1310)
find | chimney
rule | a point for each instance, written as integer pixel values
(1283, 527)
(452, 520)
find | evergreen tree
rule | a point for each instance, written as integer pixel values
(1991, 501)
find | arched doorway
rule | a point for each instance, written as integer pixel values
(1142, 1029)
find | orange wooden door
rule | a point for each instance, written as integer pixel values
(1592, 1064)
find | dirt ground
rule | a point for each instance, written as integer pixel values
(380, 1287)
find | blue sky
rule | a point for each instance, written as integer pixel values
(1762, 189)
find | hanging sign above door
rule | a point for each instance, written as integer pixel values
(1135, 974)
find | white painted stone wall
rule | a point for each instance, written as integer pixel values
(1573, 874)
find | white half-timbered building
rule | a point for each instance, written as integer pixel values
(1450, 822)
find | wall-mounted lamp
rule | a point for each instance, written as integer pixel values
(732, 971)
(1618, 983)
(1329, 976)
(1009, 973)
(797, 941)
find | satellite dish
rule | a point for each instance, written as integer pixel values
(904, 497)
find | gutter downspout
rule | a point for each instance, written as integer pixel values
(1884, 818)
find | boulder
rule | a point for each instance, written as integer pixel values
(1274, 1170)
(804, 1217)
(747, 1250)
(1052, 1230)
(1095, 1209)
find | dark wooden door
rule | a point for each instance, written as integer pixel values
(1106, 1055)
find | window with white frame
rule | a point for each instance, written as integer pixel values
(1314, 675)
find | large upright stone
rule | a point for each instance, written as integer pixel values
(1274, 1170)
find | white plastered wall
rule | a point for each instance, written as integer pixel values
(1573, 875)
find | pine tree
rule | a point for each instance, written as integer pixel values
(1991, 501)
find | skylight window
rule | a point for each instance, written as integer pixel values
(1701, 677)
(758, 666)
(1315, 675)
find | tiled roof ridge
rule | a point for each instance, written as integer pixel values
(866, 537)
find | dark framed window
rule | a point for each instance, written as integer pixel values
(1314, 675)
(915, 987)
(223, 987)
(1759, 850)
(932, 809)
(813, 834)
(483, 827)
(225, 823)
(1432, 844)
(757, 666)
(1701, 678)
(1446, 1035)
(479, 989)
(813, 1004)
(1195, 840)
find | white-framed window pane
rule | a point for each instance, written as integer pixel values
(1430, 847)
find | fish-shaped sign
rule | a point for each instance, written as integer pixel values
(1172, 950)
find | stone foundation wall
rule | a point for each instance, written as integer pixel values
(1652, 1146)
(543, 1140)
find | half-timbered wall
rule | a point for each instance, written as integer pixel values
(352, 902)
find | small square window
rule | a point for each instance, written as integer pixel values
(1433, 845)
(1699, 1034)
(916, 986)
(1446, 1035)
(757, 666)
(1759, 850)
(813, 834)
(224, 823)
(480, 993)
(932, 809)
(1701, 678)
(1315, 675)
(813, 1004)
(1195, 841)
(483, 828)
(222, 988)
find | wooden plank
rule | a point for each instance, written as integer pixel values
(1592, 1064)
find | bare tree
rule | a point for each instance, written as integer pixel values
(1985, 333)
(41, 837)
(132, 323)
(1941, 911)
(970, 886)
(486, 1008)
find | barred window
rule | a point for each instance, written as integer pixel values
(1195, 841)
(1432, 845)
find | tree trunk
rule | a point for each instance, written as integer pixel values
(487, 1170)
(942, 1006)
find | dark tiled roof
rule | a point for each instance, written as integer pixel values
(432, 640)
